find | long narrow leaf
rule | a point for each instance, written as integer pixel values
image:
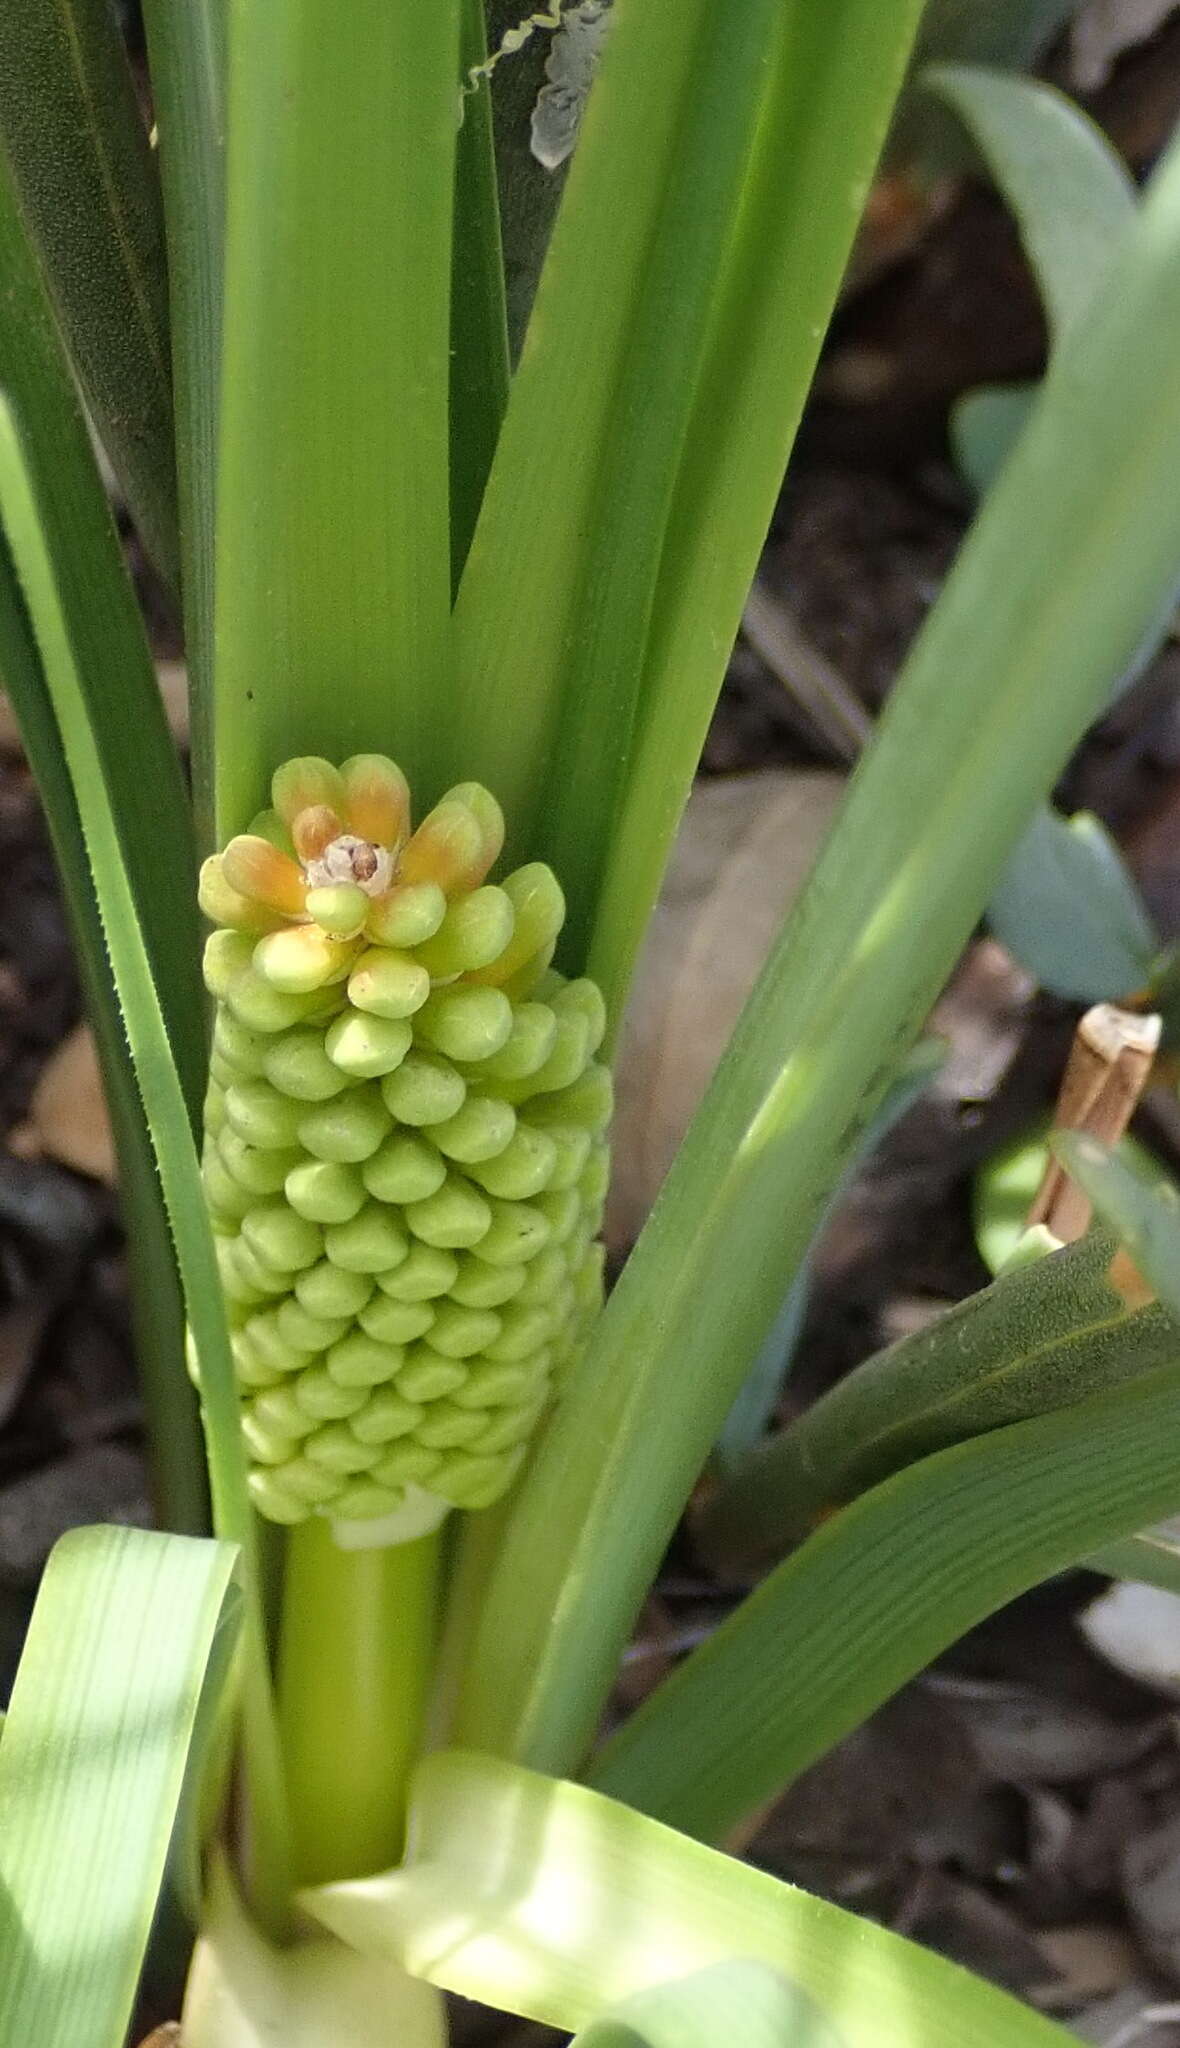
(727, 2001)
(89, 188)
(551, 1901)
(53, 620)
(141, 763)
(333, 548)
(91, 1768)
(823, 125)
(1074, 550)
(1041, 1337)
(186, 44)
(881, 1589)
(479, 318)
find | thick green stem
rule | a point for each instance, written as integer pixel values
(358, 1633)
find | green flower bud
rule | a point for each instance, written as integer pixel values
(228, 1201)
(282, 1239)
(324, 1191)
(305, 1332)
(395, 1322)
(478, 1285)
(562, 1210)
(445, 1427)
(386, 1415)
(426, 1375)
(424, 1090)
(522, 1332)
(325, 1290)
(367, 1047)
(460, 1332)
(527, 1046)
(279, 1410)
(510, 1426)
(242, 1049)
(568, 1059)
(455, 1217)
(339, 1450)
(470, 1481)
(347, 1129)
(466, 1023)
(407, 1464)
(571, 1155)
(262, 1008)
(360, 1361)
(373, 1242)
(517, 1232)
(406, 1168)
(388, 984)
(473, 933)
(272, 1499)
(524, 1168)
(495, 1386)
(250, 1369)
(587, 1103)
(227, 957)
(268, 1446)
(341, 909)
(263, 1117)
(319, 1395)
(428, 1272)
(478, 1131)
(311, 1483)
(298, 1065)
(258, 1169)
(409, 914)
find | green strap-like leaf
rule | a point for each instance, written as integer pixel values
(186, 45)
(333, 590)
(881, 1589)
(1041, 1337)
(546, 1899)
(479, 319)
(53, 620)
(1075, 548)
(91, 1768)
(89, 188)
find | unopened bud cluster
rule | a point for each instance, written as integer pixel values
(405, 1156)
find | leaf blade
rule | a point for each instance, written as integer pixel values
(91, 1767)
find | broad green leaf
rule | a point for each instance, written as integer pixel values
(884, 1587)
(546, 1899)
(1072, 196)
(1144, 1212)
(78, 152)
(742, 2001)
(1068, 910)
(1073, 551)
(91, 1768)
(332, 586)
(186, 44)
(244, 1993)
(1039, 1338)
(53, 618)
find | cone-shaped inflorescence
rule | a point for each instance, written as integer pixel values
(405, 1157)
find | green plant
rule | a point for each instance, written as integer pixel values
(348, 453)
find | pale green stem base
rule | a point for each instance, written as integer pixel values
(355, 1659)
